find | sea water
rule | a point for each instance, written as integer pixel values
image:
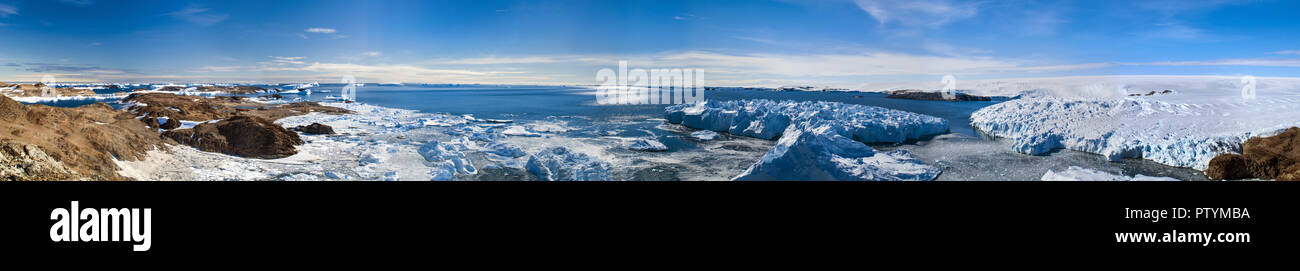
(964, 154)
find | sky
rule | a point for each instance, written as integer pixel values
(843, 43)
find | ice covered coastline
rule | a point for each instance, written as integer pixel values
(381, 143)
(819, 140)
(1184, 128)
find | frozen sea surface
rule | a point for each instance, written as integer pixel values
(384, 143)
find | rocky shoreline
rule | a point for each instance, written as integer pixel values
(39, 142)
(1274, 157)
(916, 94)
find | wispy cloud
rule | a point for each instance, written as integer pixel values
(824, 65)
(7, 10)
(1168, 19)
(1175, 30)
(94, 44)
(928, 13)
(82, 3)
(284, 60)
(1253, 62)
(199, 15)
(1287, 52)
(492, 60)
(321, 30)
(65, 68)
(327, 33)
(372, 54)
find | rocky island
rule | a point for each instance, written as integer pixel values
(916, 94)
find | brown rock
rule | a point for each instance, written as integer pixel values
(149, 122)
(234, 89)
(170, 124)
(240, 136)
(84, 141)
(194, 108)
(915, 94)
(1274, 157)
(316, 128)
(27, 162)
(1227, 167)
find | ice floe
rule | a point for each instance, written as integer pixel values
(516, 130)
(562, 164)
(504, 149)
(647, 145)
(819, 140)
(704, 135)
(821, 151)
(447, 160)
(767, 119)
(1074, 173)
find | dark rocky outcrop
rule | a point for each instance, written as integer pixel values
(1228, 167)
(149, 122)
(1167, 91)
(170, 124)
(244, 136)
(1274, 157)
(27, 162)
(914, 94)
(233, 89)
(195, 108)
(316, 129)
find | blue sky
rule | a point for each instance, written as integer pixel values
(750, 42)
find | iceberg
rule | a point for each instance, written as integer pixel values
(504, 149)
(647, 145)
(562, 164)
(822, 151)
(705, 135)
(768, 119)
(516, 130)
(1075, 173)
(443, 121)
(446, 159)
(818, 140)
